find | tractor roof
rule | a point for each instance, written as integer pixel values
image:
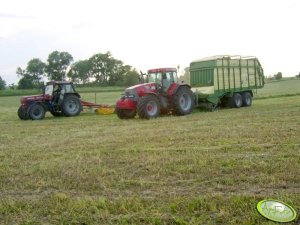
(59, 82)
(159, 70)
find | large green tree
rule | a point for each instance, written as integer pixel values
(2, 83)
(26, 82)
(278, 76)
(106, 69)
(36, 69)
(130, 76)
(32, 75)
(57, 64)
(80, 71)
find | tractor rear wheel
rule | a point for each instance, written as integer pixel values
(71, 105)
(126, 113)
(148, 107)
(22, 113)
(36, 111)
(183, 101)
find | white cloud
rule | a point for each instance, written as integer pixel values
(152, 33)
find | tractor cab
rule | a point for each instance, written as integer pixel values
(56, 90)
(163, 77)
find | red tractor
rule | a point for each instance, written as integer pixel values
(59, 97)
(162, 95)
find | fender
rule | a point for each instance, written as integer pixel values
(131, 103)
(151, 93)
(175, 87)
(76, 94)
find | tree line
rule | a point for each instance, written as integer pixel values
(101, 69)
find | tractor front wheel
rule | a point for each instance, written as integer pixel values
(148, 107)
(22, 113)
(36, 111)
(183, 101)
(71, 105)
(126, 113)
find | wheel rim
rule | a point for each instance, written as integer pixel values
(238, 100)
(248, 100)
(185, 102)
(37, 112)
(151, 108)
(72, 106)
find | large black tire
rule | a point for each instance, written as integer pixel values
(56, 113)
(225, 102)
(236, 100)
(71, 105)
(22, 113)
(36, 111)
(247, 99)
(148, 107)
(183, 101)
(125, 113)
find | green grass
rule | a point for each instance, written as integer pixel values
(17, 92)
(204, 168)
(12, 92)
(280, 88)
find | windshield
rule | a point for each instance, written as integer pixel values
(68, 88)
(49, 89)
(157, 77)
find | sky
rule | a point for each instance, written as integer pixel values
(151, 33)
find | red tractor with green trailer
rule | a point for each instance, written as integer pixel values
(163, 94)
(213, 81)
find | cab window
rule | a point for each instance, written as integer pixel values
(49, 89)
(155, 77)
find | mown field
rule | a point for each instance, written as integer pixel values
(204, 168)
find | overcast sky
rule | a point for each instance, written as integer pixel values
(151, 33)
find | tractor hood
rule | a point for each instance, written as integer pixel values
(141, 89)
(32, 98)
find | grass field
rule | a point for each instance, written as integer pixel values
(204, 168)
(283, 87)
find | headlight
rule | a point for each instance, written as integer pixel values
(129, 94)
